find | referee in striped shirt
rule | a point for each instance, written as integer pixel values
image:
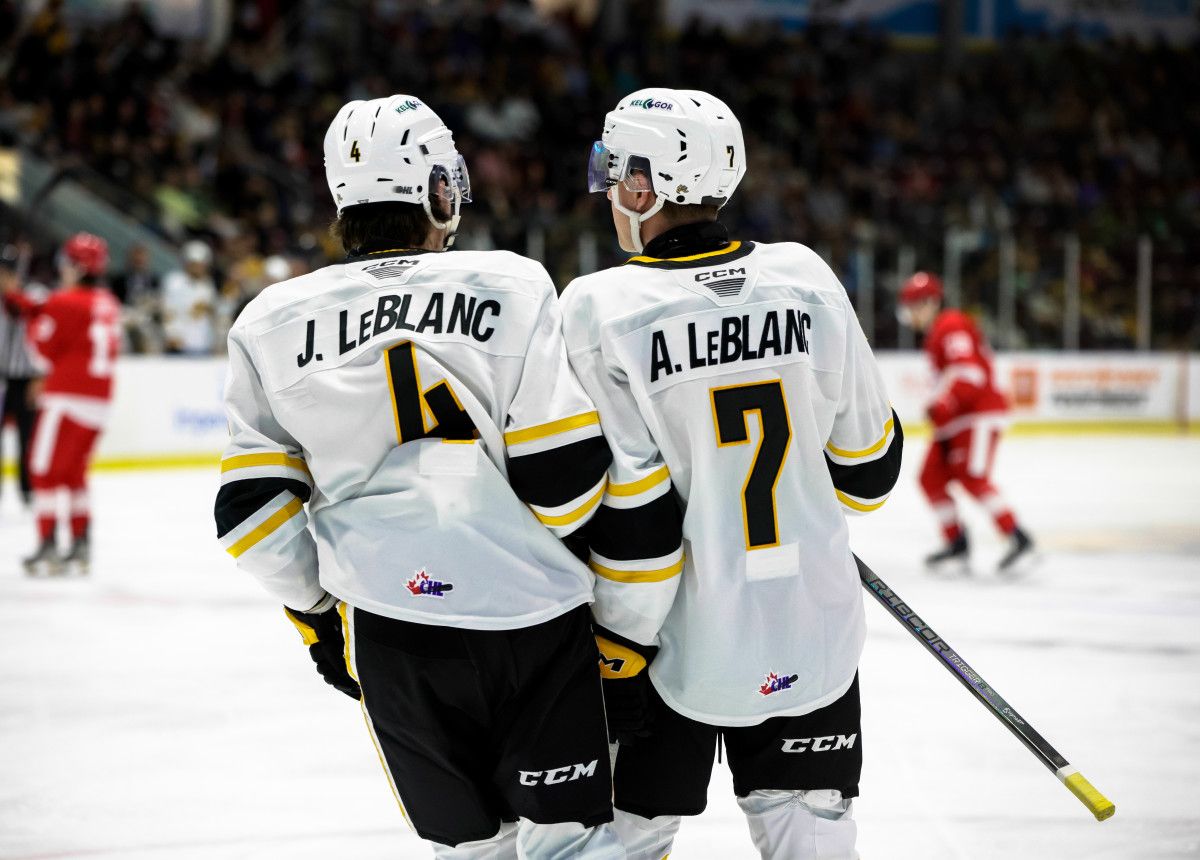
(18, 377)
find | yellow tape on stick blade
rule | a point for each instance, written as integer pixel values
(1099, 805)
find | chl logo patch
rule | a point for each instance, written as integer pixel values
(423, 585)
(775, 683)
(826, 743)
(567, 773)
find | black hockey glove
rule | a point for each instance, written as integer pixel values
(322, 633)
(628, 702)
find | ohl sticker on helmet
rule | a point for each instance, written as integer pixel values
(410, 104)
(651, 104)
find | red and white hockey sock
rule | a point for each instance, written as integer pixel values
(45, 509)
(1000, 511)
(947, 515)
(81, 514)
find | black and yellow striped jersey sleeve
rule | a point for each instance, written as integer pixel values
(559, 470)
(636, 537)
(866, 442)
(863, 479)
(557, 455)
(259, 509)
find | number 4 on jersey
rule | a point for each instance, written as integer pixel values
(730, 407)
(409, 402)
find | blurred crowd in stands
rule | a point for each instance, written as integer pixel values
(853, 141)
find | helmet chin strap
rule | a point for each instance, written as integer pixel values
(450, 225)
(635, 220)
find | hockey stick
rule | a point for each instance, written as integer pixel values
(1099, 805)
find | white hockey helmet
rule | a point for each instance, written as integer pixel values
(395, 150)
(686, 143)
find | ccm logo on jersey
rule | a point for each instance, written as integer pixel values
(717, 274)
(554, 776)
(822, 744)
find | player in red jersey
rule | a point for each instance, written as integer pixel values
(76, 333)
(968, 413)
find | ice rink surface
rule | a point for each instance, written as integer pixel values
(165, 707)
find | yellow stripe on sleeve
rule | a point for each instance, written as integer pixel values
(865, 452)
(266, 527)
(570, 517)
(637, 575)
(858, 506)
(551, 428)
(634, 487)
(248, 461)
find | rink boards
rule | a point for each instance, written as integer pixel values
(168, 410)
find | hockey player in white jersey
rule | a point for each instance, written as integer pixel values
(745, 414)
(408, 446)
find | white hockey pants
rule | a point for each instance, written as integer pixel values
(528, 841)
(785, 825)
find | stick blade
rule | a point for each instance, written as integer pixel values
(1099, 805)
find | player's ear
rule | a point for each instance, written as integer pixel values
(642, 192)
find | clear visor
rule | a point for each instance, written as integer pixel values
(603, 168)
(606, 168)
(451, 181)
(904, 315)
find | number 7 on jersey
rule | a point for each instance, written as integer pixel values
(731, 406)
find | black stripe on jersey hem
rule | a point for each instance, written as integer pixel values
(651, 530)
(710, 259)
(875, 478)
(559, 475)
(237, 501)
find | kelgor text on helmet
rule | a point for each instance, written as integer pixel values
(651, 104)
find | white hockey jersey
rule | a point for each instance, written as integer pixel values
(740, 379)
(422, 405)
